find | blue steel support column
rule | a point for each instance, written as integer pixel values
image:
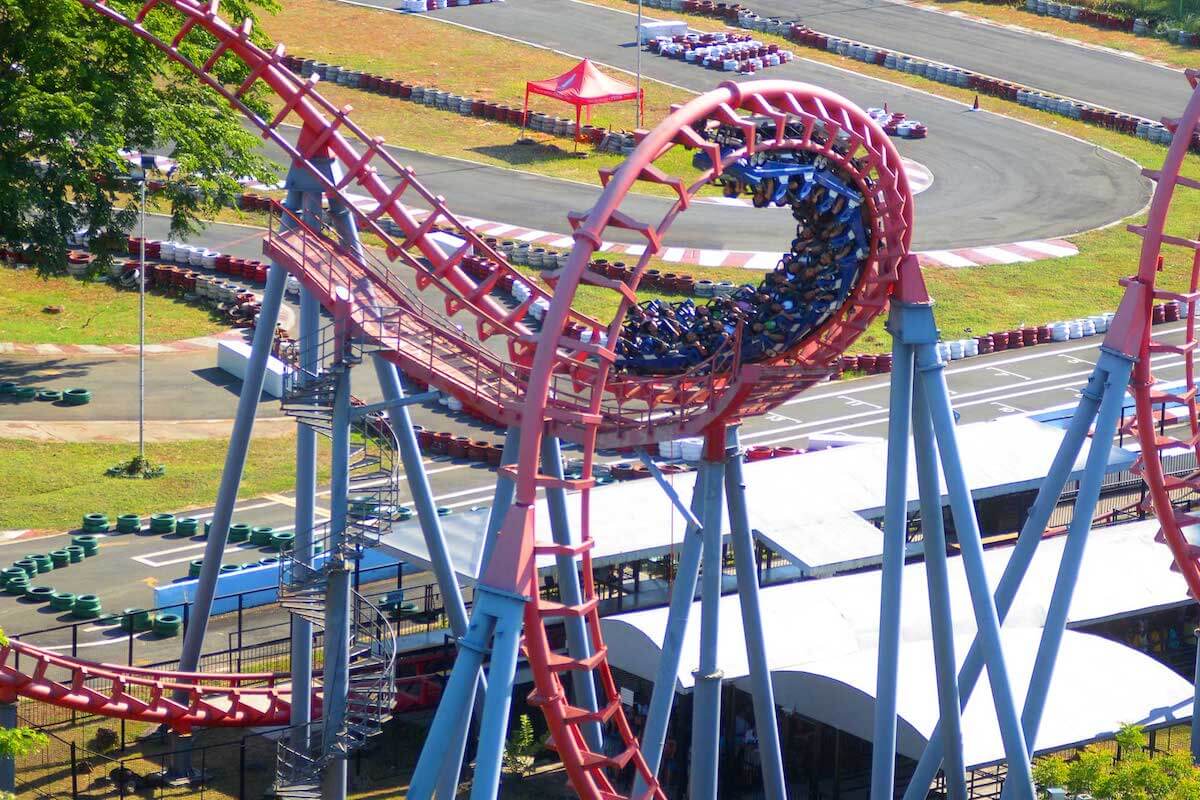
(435, 543)
(338, 604)
(579, 645)
(762, 692)
(455, 703)
(231, 478)
(8, 767)
(503, 496)
(683, 594)
(706, 713)
(1014, 571)
(508, 612)
(895, 526)
(929, 368)
(1118, 368)
(1195, 704)
(937, 579)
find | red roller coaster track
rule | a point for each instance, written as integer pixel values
(1152, 283)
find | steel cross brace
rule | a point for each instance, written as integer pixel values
(358, 412)
(914, 346)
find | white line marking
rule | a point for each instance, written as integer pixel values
(1056, 250)
(949, 259)
(1001, 255)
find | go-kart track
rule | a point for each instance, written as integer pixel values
(428, 310)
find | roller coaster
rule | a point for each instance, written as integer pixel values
(565, 377)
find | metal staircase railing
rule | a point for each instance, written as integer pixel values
(373, 494)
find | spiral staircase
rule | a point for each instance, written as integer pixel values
(373, 492)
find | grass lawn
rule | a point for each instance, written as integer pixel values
(433, 54)
(51, 485)
(92, 313)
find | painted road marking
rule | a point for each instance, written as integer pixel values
(854, 402)
(1000, 371)
(155, 559)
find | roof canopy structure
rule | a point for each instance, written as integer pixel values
(584, 86)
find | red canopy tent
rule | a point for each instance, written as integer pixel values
(583, 86)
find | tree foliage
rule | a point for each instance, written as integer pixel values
(1135, 776)
(76, 88)
(520, 749)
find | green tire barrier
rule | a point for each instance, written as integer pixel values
(187, 526)
(89, 543)
(75, 552)
(239, 532)
(43, 561)
(360, 505)
(77, 397)
(135, 619)
(95, 523)
(12, 572)
(25, 392)
(227, 568)
(86, 606)
(39, 594)
(162, 523)
(283, 540)
(168, 624)
(16, 586)
(62, 601)
(207, 527)
(260, 536)
(49, 396)
(404, 513)
(7, 387)
(129, 523)
(29, 566)
(247, 565)
(444, 512)
(194, 568)
(266, 562)
(60, 558)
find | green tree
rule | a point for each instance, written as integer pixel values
(520, 748)
(75, 89)
(1134, 776)
(18, 742)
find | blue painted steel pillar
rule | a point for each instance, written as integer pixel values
(1021, 557)
(706, 693)
(933, 534)
(761, 691)
(231, 478)
(1196, 704)
(933, 381)
(895, 527)
(503, 496)
(579, 644)
(8, 766)
(435, 543)
(1118, 369)
(683, 594)
(508, 611)
(338, 604)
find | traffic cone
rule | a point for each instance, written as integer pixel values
(975, 105)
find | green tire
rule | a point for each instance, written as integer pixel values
(194, 568)
(9, 573)
(39, 593)
(444, 512)
(28, 565)
(60, 558)
(168, 624)
(75, 552)
(23, 393)
(77, 397)
(135, 619)
(228, 568)
(7, 387)
(239, 532)
(283, 541)
(43, 561)
(16, 586)
(85, 613)
(88, 542)
(62, 601)
(129, 523)
(268, 561)
(260, 536)
(207, 527)
(187, 526)
(87, 601)
(162, 523)
(49, 396)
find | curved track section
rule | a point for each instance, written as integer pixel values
(839, 132)
(1178, 525)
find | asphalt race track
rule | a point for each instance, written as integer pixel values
(1085, 73)
(996, 180)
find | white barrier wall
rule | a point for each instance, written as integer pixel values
(232, 357)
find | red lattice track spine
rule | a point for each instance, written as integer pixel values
(1134, 320)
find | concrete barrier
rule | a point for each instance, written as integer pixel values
(232, 357)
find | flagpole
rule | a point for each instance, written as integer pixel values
(638, 39)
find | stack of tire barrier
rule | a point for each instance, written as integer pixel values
(448, 101)
(1138, 26)
(896, 123)
(421, 6)
(720, 51)
(735, 14)
(443, 443)
(10, 390)
(206, 275)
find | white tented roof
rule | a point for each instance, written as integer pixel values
(824, 634)
(809, 507)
